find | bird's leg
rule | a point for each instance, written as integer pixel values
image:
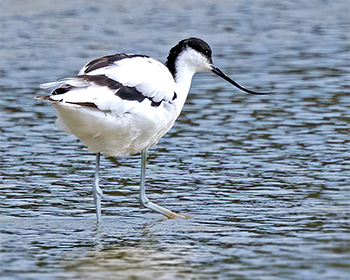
(96, 189)
(144, 201)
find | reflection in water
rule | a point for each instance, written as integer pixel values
(264, 179)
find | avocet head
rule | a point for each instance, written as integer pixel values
(196, 55)
(192, 53)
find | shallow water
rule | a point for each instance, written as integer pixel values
(264, 179)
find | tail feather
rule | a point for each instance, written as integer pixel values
(52, 84)
(71, 81)
(62, 86)
(40, 97)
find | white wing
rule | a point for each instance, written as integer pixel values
(117, 86)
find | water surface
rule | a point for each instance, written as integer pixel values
(265, 179)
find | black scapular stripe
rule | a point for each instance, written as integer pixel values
(124, 92)
(108, 60)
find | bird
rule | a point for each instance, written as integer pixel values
(122, 104)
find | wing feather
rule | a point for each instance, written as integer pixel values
(116, 83)
(147, 75)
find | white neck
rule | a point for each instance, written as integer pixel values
(187, 64)
(183, 81)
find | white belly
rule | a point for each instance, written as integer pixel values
(116, 135)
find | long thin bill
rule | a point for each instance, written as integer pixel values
(218, 72)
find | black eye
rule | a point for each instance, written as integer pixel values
(206, 52)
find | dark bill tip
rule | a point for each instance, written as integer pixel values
(218, 72)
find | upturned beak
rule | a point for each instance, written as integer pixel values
(218, 72)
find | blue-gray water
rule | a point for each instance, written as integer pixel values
(265, 179)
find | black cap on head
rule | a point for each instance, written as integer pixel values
(195, 43)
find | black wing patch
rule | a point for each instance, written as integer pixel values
(108, 60)
(85, 104)
(62, 89)
(124, 92)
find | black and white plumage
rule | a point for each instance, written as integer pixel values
(123, 104)
(118, 105)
